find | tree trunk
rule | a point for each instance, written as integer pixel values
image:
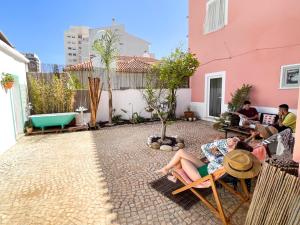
(110, 105)
(172, 104)
(163, 130)
(95, 89)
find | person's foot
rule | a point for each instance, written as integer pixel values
(162, 171)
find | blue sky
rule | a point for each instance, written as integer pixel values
(38, 25)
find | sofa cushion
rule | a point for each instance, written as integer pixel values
(268, 118)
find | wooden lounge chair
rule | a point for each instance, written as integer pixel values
(209, 182)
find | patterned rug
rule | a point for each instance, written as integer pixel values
(185, 199)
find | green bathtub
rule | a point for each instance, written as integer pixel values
(53, 119)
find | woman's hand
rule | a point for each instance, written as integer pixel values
(214, 150)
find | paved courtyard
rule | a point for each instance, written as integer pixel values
(98, 177)
(53, 179)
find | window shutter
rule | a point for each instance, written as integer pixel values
(215, 15)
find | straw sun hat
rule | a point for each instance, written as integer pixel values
(241, 164)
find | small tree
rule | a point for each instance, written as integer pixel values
(156, 96)
(106, 48)
(174, 71)
(163, 82)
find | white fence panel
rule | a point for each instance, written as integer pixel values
(132, 101)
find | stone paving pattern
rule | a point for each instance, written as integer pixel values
(129, 165)
(53, 179)
(98, 177)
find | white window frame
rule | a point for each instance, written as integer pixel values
(282, 77)
(225, 16)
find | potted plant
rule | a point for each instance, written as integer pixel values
(7, 80)
(188, 114)
(28, 127)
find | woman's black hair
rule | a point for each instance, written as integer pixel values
(244, 146)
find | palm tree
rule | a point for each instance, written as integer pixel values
(106, 48)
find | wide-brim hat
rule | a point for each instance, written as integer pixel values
(266, 131)
(241, 164)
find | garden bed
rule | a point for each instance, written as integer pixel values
(124, 122)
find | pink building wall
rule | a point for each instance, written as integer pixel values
(296, 155)
(260, 37)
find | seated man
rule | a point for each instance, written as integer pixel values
(286, 119)
(248, 112)
(248, 115)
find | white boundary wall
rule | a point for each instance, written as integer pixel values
(12, 62)
(132, 101)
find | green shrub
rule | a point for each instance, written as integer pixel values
(136, 118)
(51, 96)
(238, 98)
(116, 118)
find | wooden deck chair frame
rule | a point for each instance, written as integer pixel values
(218, 211)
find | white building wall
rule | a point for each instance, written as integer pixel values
(128, 45)
(8, 129)
(132, 101)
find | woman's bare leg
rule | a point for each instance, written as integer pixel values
(190, 169)
(180, 154)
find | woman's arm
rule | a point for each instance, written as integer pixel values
(253, 135)
(208, 151)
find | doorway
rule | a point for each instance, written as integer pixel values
(215, 92)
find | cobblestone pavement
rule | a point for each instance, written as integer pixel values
(53, 179)
(99, 177)
(129, 165)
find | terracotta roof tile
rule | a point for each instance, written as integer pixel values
(85, 66)
(129, 64)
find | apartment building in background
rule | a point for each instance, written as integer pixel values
(78, 42)
(74, 40)
(34, 64)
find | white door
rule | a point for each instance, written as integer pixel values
(215, 91)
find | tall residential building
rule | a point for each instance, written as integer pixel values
(79, 43)
(74, 39)
(34, 64)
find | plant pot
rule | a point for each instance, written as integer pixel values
(8, 85)
(29, 130)
(188, 114)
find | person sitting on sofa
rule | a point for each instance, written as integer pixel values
(248, 112)
(248, 115)
(286, 119)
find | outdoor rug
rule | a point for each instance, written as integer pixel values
(185, 199)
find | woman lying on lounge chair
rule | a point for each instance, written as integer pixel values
(214, 152)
